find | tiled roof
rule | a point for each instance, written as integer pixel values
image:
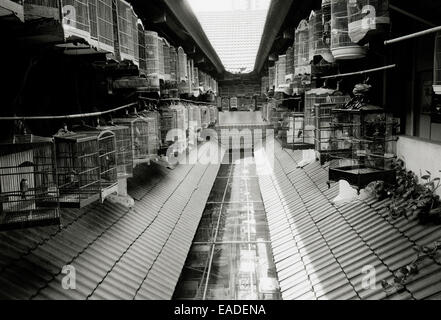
(117, 253)
(320, 248)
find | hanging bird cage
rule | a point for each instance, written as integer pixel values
(195, 117)
(152, 59)
(342, 47)
(154, 130)
(196, 79)
(161, 59)
(317, 44)
(271, 77)
(264, 85)
(76, 20)
(326, 22)
(289, 70)
(173, 64)
(167, 67)
(367, 19)
(301, 49)
(125, 30)
(101, 24)
(182, 63)
(135, 39)
(371, 137)
(86, 167)
(140, 135)
(437, 65)
(124, 153)
(28, 185)
(142, 49)
(281, 72)
(331, 138)
(295, 134)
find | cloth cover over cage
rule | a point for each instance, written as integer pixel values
(342, 47)
(367, 19)
(28, 183)
(371, 135)
(152, 59)
(317, 44)
(139, 132)
(301, 49)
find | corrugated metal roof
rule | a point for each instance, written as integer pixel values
(320, 248)
(117, 253)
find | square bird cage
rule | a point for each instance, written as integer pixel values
(371, 137)
(294, 133)
(140, 134)
(86, 167)
(28, 188)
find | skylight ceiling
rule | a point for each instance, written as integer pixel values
(234, 28)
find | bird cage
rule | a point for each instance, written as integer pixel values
(139, 132)
(195, 117)
(281, 71)
(135, 39)
(289, 70)
(154, 129)
(28, 184)
(437, 65)
(214, 114)
(173, 65)
(125, 30)
(75, 22)
(161, 59)
(294, 133)
(372, 142)
(317, 44)
(152, 59)
(124, 153)
(167, 68)
(101, 24)
(264, 85)
(331, 134)
(205, 116)
(173, 125)
(326, 22)
(182, 63)
(142, 49)
(86, 167)
(342, 47)
(196, 78)
(301, 49)
(367, 19)
(272, 77)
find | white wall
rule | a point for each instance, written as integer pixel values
(420, 154)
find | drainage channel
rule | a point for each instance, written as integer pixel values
(231, 257)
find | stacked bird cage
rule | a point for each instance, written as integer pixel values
(289, 71)
(152, 59)
(342, 47)
(125, 31)
(140, 135)
(86, 167)
(367, 19)
(124, 154)
(317, 43)
(301, 49)
(281, 72)
(173, 65)
(326, 22)
(173, 126)
(28, 183)
(196, 78)
(142, 49)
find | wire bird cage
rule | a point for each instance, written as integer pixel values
(301, 49)
(195, 117)
(437, 65)
(214, 114)
(367, 19)
(142, 49)
(152, 59)
(326, 22)
(205, 116)
(370, 134)
(264, 85)
(154, 130)
(289, 70)
(86, 167)
(126, 34)
(161, 58)
(295, 134)
(28, 188)
(281, 71)
(167, 67)
(140, 135)
(75, 22)
(342, 47)
(173, 125)
(330, 133)
(182, 64)
(173, 65)
(317, 44)
(124, 154)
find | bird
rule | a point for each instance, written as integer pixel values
(24, 187)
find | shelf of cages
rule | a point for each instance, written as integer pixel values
(294, 134)
(28, 184)
(369, 136)
(143, 134)
(86, 167)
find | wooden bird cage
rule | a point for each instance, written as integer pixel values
(86, 167)
(295, 134)
(126, 31)
(342, 47)
(301, 49)
(139, 132)
(101, 24)
(152, 59)
(124, 154)
(28, 186)
(317, 44)
(367, 19)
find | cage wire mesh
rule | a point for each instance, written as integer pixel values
(342, 47)
(301, 49)
(105, 23)
(161, 58)
(152, 59)
(125, 30)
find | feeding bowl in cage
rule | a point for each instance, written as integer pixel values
(28, 184)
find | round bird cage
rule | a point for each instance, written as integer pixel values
(342, 47)
(301, 49)
(317, 44)
(367, 19)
